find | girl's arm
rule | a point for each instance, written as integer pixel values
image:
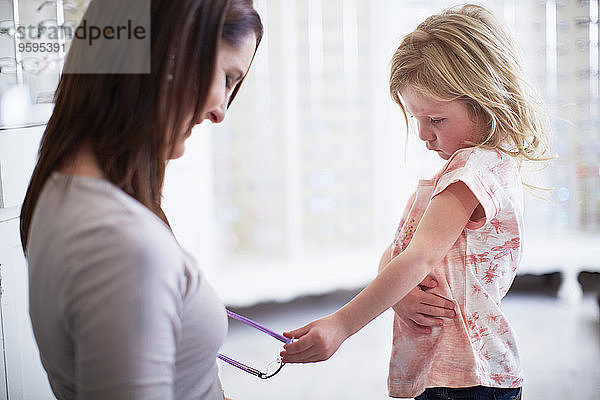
(420, 308)
(441, 225)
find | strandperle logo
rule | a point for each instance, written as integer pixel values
(119, 32)
(69, 30)
(113, 37)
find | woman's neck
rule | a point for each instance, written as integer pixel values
(82, 163)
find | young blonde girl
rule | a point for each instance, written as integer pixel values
(458, 75)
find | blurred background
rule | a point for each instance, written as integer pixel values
(290, 202)
(309, 173)
(303, 185)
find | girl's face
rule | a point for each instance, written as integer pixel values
(444, 126)
(232, 65)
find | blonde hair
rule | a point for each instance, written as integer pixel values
(464, 54)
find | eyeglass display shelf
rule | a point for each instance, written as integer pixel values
(22, 126)
(38, 116)
(7, 214)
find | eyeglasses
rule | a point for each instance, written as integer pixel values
(9, 65)
(48, 28)
(31, 65)
(274, 367)
(8, 28)
(67, 5)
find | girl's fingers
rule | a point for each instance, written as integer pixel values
(428, 282)
(419, 328)
(426, 321)
(435, 300)
(296, 333)
(305, 357)
(298, 346)
(439, 312)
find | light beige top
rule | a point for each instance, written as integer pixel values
(119, 310)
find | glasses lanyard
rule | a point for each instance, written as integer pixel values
(244, 367)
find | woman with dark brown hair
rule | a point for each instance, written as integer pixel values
(118, 309)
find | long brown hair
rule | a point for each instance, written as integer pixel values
(132, 121)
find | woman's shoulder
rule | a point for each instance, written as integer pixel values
(93, 232)
(94, 214)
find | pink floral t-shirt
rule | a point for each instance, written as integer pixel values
(478, 347)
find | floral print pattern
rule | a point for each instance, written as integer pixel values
(478, 347)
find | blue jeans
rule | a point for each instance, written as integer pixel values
(470, 393)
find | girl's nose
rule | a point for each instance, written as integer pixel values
(425, 133)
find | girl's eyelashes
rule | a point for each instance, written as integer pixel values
(228, 82)
(431, 119)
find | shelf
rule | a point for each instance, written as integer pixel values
(22, 126)
(38, 115)
(7, 214)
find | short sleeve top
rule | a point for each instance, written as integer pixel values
(478, 347)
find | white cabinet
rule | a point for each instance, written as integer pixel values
(23, 375)
(18, 152)
(35, 75)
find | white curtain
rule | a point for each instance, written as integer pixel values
(310, 171)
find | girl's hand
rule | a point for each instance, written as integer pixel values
(422, 309)
(315, 342)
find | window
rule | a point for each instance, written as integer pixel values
(309, 173)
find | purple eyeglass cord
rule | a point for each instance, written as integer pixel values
(261, 328)
(258, 326)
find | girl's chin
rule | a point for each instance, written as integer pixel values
(442, 154)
